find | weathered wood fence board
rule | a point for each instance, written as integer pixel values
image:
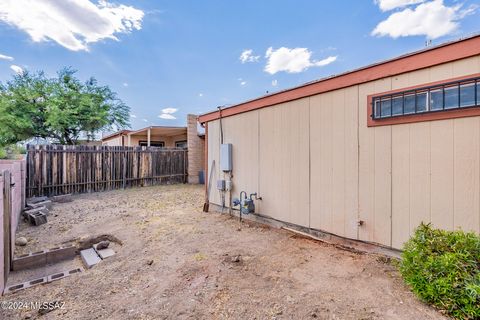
(55, 170)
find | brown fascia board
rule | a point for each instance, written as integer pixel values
(443, 53)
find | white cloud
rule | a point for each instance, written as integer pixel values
(144, 120)
(167, 113)
(74, 23)
(167, 116)
(242, 82)
(292, 60)
(274, 83)
(200, 95)
(169, 110)
(432, 19)
(16, 69)
(247, 56)
(132, 115)
(386, 5)
(125, 84)
(5, 57)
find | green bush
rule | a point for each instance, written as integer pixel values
(12, 152)
(443, 269)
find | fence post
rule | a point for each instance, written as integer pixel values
(124, 168)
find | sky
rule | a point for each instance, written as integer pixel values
(166, 59)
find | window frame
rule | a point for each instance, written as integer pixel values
(181, 141)
(144, 143)
(428, 115)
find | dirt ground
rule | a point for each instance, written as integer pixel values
(177, 262)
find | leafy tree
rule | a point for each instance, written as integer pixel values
(61, 108)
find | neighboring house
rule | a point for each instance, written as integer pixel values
(166, 137)
(153, 136)
(368, 154)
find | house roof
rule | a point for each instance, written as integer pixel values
(116, 134)
(428, 57)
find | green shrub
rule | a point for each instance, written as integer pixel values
(443, 268)
(12, 152)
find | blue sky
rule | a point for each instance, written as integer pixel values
(185, 56)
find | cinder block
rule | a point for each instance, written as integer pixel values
(89, 257)
(57, 276)
(31, 283)
(37, 218)
(73, 271)
(61, 253)
(14, 288)
(104, 253)
(35, 259)
(36, 199)
(37, 281)
(47, 203)
(35, 210)
(63, 198)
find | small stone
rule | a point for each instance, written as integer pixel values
(21, 241)
(236, 258)
(103, 245)
(150, 262)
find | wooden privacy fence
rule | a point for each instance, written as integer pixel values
(55, 170)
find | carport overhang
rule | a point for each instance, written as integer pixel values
(156, 131)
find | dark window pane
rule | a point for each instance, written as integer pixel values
(467, 95)
(386, 108)
(451, 97)
(478, 93)
(409, 104)
(377, 108)
(397, 105)
(421, 102)
(436, 99)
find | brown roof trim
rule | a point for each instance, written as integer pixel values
(425, 58)
(116, 134)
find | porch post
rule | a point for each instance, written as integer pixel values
(148, 137)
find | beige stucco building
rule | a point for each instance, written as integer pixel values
(367, 154)
(154, 136)
(167, 137)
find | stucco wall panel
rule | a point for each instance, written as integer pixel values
(214, 155)
(320, 166)
(400, 184)
(242, 133)
(284, 161)
(419, 174)
(442, 174)
(466, 172)
(321, 153)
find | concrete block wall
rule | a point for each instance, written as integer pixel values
(17, 169)
(2, 269)
(196, 147)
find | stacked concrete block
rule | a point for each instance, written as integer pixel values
(42, 204)
(62, 198)
(37, 218)
(44, 257)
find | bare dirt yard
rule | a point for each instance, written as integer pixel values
(177, 262)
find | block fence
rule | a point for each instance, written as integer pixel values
(16, 168)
